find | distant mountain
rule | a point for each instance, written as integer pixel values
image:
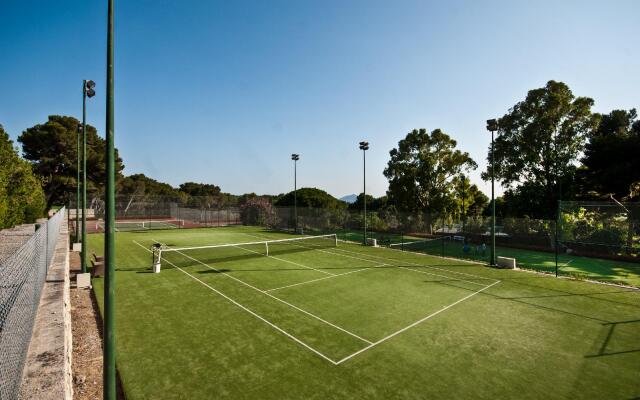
(350, 198)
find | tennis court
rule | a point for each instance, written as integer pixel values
(240, 312)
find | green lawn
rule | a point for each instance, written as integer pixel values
(354, 322)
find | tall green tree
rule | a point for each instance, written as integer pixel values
(540, 140)
(21, 196)
(310, 197)
(474, 202)
(422, 170)
(203, 194)
(612, 156)
(51, 149)
(373, 203)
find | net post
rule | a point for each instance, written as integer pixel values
(335, 239)
(266, 246)
(156, 253)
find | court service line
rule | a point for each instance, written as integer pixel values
(320, 250)
(326, 277)
(413, 324)
(422, 265)
(270, 295)
(248, 310)
(287, 261)
(389, 259)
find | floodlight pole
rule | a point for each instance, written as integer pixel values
(295, 158)
(109, 357)
(83, 249)
(364, 146)
(87, 91)
(464, 212)
(492, 125)
(77, 225)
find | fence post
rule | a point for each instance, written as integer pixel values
(557, 233)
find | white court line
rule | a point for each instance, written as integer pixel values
(371, 345)
(420, 265)
(412, 325)
(248, 310)
(391, 259)
(326, 277)
(567, 263)
(283, 260)
(270, 295)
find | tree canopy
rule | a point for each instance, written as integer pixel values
(52, 150)
(540, 139)
(22, 199)
(612, 156)
(373, 203)
(422, 169)
(310, 197)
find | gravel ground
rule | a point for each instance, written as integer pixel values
(87, 340)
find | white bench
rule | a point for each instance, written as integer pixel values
(372, 242)
(506, 262)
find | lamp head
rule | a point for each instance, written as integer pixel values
(88, 87)
(492, 125)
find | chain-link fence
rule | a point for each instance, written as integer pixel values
(156, 212)
(22, 276)
(599, 241)
(595, 240)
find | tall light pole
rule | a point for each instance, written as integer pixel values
(464, 212)
(364, 146)
(295, 158)
(492, 126)
(109, 348)
(87, 91)
(77, 226)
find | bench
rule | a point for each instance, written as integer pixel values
(98, 258)
(97, 268)
(506, 262)
(459, 238)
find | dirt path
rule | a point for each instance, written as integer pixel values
(86, 326)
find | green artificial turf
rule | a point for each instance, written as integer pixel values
(205, 327)
(620, 272)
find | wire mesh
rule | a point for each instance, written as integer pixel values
(22, 277)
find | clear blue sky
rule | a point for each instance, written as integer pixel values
(223, 92)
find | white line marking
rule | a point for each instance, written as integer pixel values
(248, 310)
(272, 296)
(412, 325)
(567, 263)
(326, 277)
(283, 260)
(419, 265)
(371, 345)
(388, 259)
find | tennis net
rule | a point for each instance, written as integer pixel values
(167, 256)
(429, 246)
(143, 225)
